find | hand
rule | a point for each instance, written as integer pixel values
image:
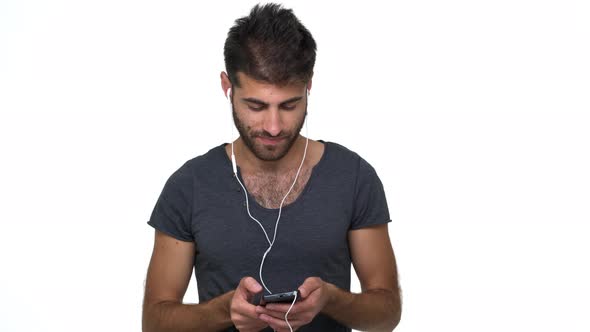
(242, 312)
(314, 295)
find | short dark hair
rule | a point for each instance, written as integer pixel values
(270, 45)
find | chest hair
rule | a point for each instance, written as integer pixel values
(270, 189)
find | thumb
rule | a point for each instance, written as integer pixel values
(250, 286)
(303, 292)
(309, 286)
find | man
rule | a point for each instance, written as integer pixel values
(328, 201)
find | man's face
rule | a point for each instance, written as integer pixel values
(269, 118)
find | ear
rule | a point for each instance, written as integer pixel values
(225, 82)
(309, 86)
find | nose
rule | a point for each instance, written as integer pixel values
(272, 122)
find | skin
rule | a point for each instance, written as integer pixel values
(263, 110)
(376, 308)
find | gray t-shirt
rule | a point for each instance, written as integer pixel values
(203, 203)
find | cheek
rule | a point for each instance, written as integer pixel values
(246, 122)
(291, 120)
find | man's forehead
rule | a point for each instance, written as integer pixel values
(249, 83)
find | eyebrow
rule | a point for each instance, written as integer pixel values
(261, 103)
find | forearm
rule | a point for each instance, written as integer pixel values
(212, 315)
(372, 310)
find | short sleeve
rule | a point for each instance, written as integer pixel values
(370, 204)
(173, 210)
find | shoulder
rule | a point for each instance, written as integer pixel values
(346, 163)
(340, 152)
(203, 166)
(209, 161)
(344, 157)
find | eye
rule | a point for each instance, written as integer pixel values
(289, 108)
(255, 108)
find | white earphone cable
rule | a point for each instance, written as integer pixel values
(271, 243)
(288, 311)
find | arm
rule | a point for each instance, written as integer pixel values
(168, 277)
(377, 308)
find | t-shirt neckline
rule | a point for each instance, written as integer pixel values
(314, 171)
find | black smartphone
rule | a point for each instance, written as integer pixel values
(281, 297)
(256, 299)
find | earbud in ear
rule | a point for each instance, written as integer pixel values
(233, 157)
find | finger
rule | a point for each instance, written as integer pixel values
(251, 285)
(244, 323)
(282, 307)
(273, 313)
(309, 285)
(244, 308)
(280, 323)
(249, 311)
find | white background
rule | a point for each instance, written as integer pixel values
(475, 115)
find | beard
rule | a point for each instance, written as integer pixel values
(267, 152)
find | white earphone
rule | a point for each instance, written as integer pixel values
(271, 243)
(233, 157)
